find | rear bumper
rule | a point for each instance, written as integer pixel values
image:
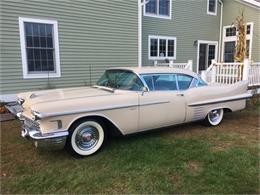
(50, 141)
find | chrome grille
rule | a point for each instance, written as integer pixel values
(30, 124)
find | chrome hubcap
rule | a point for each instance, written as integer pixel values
(214, 115)
(87, 138)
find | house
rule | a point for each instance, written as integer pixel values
(197, 30)
(56, 44)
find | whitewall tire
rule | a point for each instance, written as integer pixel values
(87, 137)
(215, 117)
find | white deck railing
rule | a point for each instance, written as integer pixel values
(228, 73)
(254, 74)
(224, 73)
(187, 65)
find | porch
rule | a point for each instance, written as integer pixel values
(224, 73)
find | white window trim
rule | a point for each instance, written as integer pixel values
(209, 43)
(234, 38)
(216, 8)
(158, 47)
(27, 75)
(158, 15)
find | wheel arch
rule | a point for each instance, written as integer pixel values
(225, 109)
(113, 128)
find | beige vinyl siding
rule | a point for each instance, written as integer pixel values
(190, 22)
(92, 35)
(232, 9)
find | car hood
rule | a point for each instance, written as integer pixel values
(75, 100)
(57, 95)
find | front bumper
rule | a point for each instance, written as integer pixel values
(52, 141)
(14, 108)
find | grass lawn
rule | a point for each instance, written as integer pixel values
(189, 158)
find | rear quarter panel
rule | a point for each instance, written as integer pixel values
(201, 100)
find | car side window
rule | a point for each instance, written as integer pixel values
(121, 79)
(184, 81)
(194, 83)
(149, 81)
(201, 83)
(165, 82)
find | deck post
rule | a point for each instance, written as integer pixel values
(171, 63)
(203, 75)
(246, 69)
(214, 74)
(190, 62)
(155, 62)
(214, 71)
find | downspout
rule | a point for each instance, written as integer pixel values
(220, 32)
(139, 33)
(141, 3)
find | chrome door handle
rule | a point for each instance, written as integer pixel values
(180, 94)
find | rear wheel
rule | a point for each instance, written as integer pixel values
(86, 137)
(214, 117)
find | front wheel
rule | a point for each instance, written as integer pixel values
(214, 117)
(86, 137)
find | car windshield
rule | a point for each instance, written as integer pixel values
(120, 79)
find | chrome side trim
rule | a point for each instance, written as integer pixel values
(222, 100)
(154, 103)
(45, 115)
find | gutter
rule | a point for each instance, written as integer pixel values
(220, 32)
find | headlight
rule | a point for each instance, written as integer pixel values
(20, 101)
(37, 115)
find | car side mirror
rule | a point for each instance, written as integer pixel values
(145, 89)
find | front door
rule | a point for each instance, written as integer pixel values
(207, 53)
(163, 105)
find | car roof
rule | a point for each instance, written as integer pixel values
(156, 70)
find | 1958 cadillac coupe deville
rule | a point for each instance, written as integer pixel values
(129, 99)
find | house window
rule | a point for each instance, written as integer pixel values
(212, 7)
(231, 32)
(211, 53)
(248, 29)
(158, 8)
(161, 47)
(39, 47)
(153, 47)
(229, 48)
(230, 39)
(151, 7)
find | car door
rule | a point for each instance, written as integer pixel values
(163, 104)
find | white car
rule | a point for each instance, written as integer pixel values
(129, 100)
